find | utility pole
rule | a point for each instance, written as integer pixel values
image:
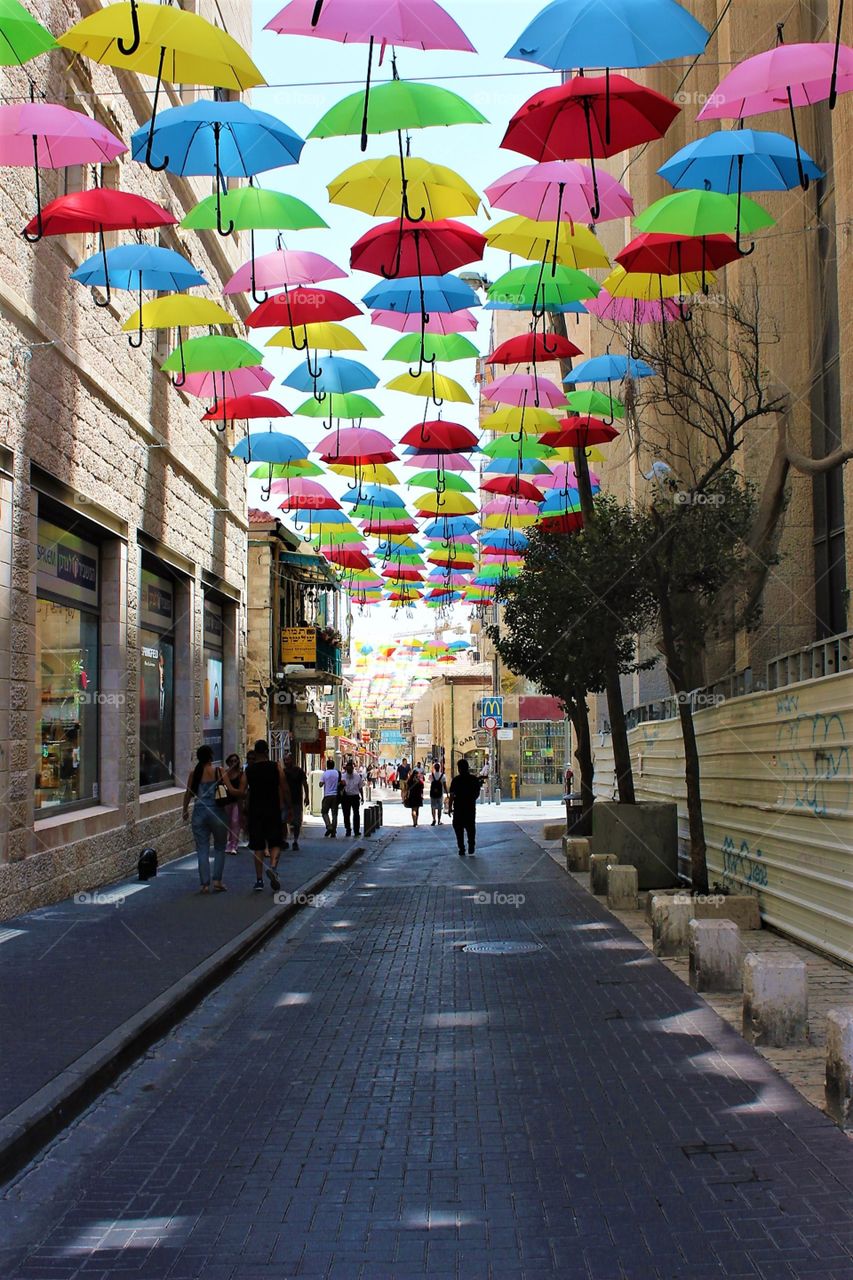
(452, 729)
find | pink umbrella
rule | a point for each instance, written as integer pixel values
(563, 476)
(510, 507)
(560, 190)
(439, 322)
(415, 24)
(240, 382)
(304, 495)
(357, 442)
(283, 268)
(44, 134)
(521, 389)
(632, 310)
(791, 75)
(435, 461)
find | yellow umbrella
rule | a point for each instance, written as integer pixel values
(163, 41)
(517, 521)
(321, 336)
(374, 187)
(449, 503)
(372, 472)
(577, 246)
(567, 454)
(531, 420)
(177, 311)
(651, 288)
(430, 383)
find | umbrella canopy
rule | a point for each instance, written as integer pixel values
(440, 437)
(515, 421)
(439, 503)
(247, 407)
(594, 401)
(269, 446)
(304, 307)
(357, 442)
(406, 248)
(97, 211)
(177, 311)
(411, 296)
(432, 384)
(212, 353)
(439, 479)
(563, 242)
(334, 374)
(513, 485)
(437, 347)
(394, 106)
(520, 389)
(340, 404)
(375, 187)
(241, 382)
(143, 267)
(580, 433)
(560, 189)
(224, 139)
(668, 254)
(527, 287)
(703, 213)
(645, 286)
(789, 76)
(735, 160)
(633, 310)
(437, 322)
(252, 208)
(616, 33)
(533, 348)
(283, 268)
(21, 37)
(516, 467)
(443, 461)
(323, 335)
(608, 369)
(519, 450)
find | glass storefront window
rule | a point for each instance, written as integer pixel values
(212, 708)
(156, 680)
(543, 746)
(67, 665)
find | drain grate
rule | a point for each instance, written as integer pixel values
(503, 948)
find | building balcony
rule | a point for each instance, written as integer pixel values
(328, 655)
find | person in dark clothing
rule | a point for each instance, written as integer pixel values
(297, 784)
(414, 795)
(268, 795)
(464, 790)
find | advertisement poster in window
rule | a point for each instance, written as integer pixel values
(212, 699)
(156, 709)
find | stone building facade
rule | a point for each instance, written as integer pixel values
(122, 524)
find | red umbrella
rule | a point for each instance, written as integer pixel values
(348, 558)
(407, 248)
(513, 486)
(532, 348)
(379, 528)
(99, 210)
(579, 433)
(300, 306)
(588, 117)
(243, 408)
(567, 522)
(670, 255)
(437, 436)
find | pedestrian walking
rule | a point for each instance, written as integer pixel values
(404, 773)
(437, 792)
(297, 785)
(268, 793)
(207, 788)
(414, 796)
(234, 809)
(351, 799)
(332, 787)
(464, 790)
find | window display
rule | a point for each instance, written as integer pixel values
(156, 680)
(212, 711)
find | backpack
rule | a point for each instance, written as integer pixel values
(436, 786)
(147, 864)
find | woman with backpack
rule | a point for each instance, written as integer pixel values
(437, 792)
(207, 786)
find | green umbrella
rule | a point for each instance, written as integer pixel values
(337, 404)
(378, 515)
(506, 447)
(21, 37)
(528, 286)
(437, 346)
(254, 209)
(395, 106)
(703, 213)
(437, 481)
(595, 402)
(211, 354)
(283, 470)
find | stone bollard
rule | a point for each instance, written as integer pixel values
(378, 807)
(670, 916)
(577, 850)
(839, 1066)
(622, 888)
(775, 1000)
(715, 955)
(598, 866)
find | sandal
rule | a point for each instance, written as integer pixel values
(219, 888)
(205, 888)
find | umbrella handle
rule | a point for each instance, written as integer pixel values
(366, 88)
(398, 253)
(595, 211)
(157, 168)
(127, 50)
(179, 381)
(801, 173)
(315, 16)
(109, 295)
(256, 297)
(833, 83)
(39, 223)
(217, 178)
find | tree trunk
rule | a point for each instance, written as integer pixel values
(692, 776)
(583, 752)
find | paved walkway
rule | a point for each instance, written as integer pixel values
(364, 1100)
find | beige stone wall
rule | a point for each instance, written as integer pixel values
(99, 427)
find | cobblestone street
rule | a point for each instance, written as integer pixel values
(365, 1100)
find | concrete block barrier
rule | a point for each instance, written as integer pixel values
(670, 916)
(839, 1066)
(598, 867)
(622, 888)
(775, 1000)
(715, 955)
(577, 851)
(554, 830)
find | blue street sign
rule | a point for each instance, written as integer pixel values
(492, 713)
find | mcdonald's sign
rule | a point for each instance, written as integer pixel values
(491, 713)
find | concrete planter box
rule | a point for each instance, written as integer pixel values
(741, 908)
(643, 835)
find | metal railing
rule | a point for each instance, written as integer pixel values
(824, 658)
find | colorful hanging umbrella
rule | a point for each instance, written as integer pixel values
(521, 389)
(335, 375)
(530, 288)
(533, 348)
(347, 404)
(387, 187)
(140, 267)
(668, 254)
(410, 248)
(305, 306)
(580, 433)
(633, 310)
(242, 382)
(589, 117)
(618, 33)
(283, 268)
(438, 480)
(593, 401)
(175, 311)
(516, 466)
(431, 384)
(435, 293)
(441, 461)
(165, 42)
(438, 322)
(703, 213)
(437, 348)
(791, 75)
(21, 37)
(644, 286)
(96, 212)
(563, 243)
(46, 135)
(398, 105)
(211, 353)
(733, 160)
(246, 408)
(560, 189)
(444, 503)
(514, 486)
(321, 336)
(608, 368)
(516, 421)
(503, 447)
(440, 437)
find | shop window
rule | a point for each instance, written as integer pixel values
(156, 677)
(67, 669)
(212, 705)
(543, 747)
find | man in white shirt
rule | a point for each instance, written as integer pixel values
(351, 799)
(437, 792)
(331, 798)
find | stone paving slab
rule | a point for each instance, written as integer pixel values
(364, 1099)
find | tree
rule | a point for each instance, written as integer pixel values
(574, 612)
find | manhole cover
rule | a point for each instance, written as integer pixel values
(503, 948)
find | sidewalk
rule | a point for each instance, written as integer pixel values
(89, 971)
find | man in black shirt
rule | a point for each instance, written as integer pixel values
(297, 781)
(464, 790)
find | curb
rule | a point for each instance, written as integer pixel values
(35, 1122)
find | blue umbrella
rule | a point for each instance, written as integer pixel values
(336, 375)
(380, 495)
(413, 294)
(447, 526)
(516, 467)
(608, 369)
(609, 33)
(223, 139)
(562, 308)
(270, 446)
(140, 267)
(503, 540)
